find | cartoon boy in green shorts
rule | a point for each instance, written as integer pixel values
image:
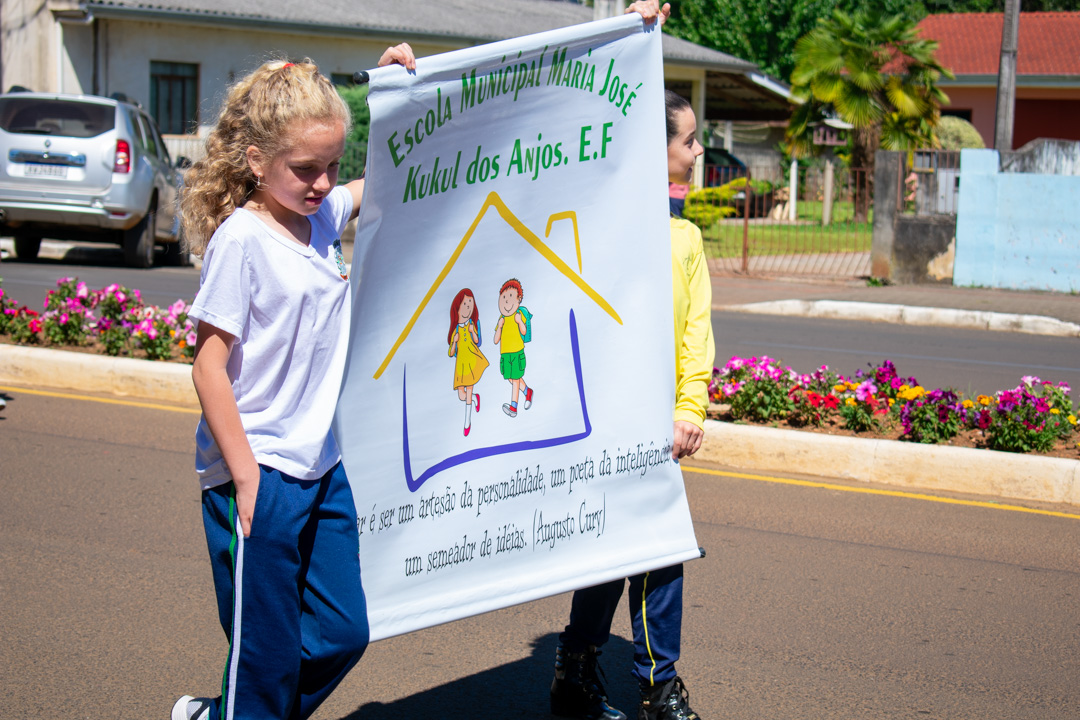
(511, 339)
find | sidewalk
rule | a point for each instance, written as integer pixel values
(1045, 313)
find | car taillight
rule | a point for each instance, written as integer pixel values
(122, 163)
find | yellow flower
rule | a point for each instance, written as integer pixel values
(891, 401)
(1071, 419)
(968, 404)
(840, 387)
(172, 333)
(911, 393)
(1055, 411)
(984, 400)
(850, 401)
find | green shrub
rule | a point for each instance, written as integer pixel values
(352, 163)
(706, 206)
(956, 134)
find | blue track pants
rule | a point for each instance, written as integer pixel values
(289, 595)
(655, 613)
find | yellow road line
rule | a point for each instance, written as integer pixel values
(107, 401)
(876, 491)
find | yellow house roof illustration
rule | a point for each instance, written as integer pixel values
(494, 201)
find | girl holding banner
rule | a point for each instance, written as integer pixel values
(656, 596)
(273, 310)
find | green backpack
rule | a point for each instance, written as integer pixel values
(527, 337)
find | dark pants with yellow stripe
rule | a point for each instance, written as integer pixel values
(655, 614)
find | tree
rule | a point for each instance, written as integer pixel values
(763, 31)
(352, 164)
(873, 71)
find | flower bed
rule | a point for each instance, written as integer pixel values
(110, 321)
(1037, 416)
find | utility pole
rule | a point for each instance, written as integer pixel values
(1006, 89)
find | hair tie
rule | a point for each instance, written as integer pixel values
(287, 65)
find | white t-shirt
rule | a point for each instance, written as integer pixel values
(288, 307)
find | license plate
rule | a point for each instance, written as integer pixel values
(40, 170)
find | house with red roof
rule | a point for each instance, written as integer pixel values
(1047, 71)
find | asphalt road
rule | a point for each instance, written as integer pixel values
(972, 361)
(813, 602)
(97, 266)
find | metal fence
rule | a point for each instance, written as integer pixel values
(930, 183)
(760, 220)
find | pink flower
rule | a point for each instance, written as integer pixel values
(866, 390)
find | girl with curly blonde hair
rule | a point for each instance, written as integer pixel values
(264, 210)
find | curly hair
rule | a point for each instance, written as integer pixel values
(262, 109)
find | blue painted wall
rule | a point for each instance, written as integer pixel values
(1016, 230)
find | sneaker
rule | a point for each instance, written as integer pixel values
(3, 403)
(191, 708)
(509, 410)
(528, 398)
(670, 701)
(576, 691)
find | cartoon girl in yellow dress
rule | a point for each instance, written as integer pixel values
(464, 341)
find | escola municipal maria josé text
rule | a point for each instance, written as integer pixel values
(530, 156)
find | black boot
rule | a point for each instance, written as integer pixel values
(669, 701)
(576, 691)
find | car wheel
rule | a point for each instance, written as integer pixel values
(27, 248)
(139, 242)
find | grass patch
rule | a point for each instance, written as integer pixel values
(807, 236)
(725, 239)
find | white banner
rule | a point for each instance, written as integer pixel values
(541, 161)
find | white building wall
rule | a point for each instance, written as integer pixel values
(27, 41)
(223, 55)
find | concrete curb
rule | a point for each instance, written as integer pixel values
(912, 315)
(746, 447)
(65, 370)
(890, 462)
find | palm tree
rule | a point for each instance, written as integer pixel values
(873, 71)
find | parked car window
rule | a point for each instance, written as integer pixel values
(163, 151)
(133, 118)
(55, 117)
(150, 144)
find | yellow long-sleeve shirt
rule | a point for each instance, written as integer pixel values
(694, 347)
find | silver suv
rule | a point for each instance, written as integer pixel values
(86, 168)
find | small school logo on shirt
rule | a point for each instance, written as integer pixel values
(341, 267)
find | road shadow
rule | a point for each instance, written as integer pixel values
(87, 254)
(515, 690)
